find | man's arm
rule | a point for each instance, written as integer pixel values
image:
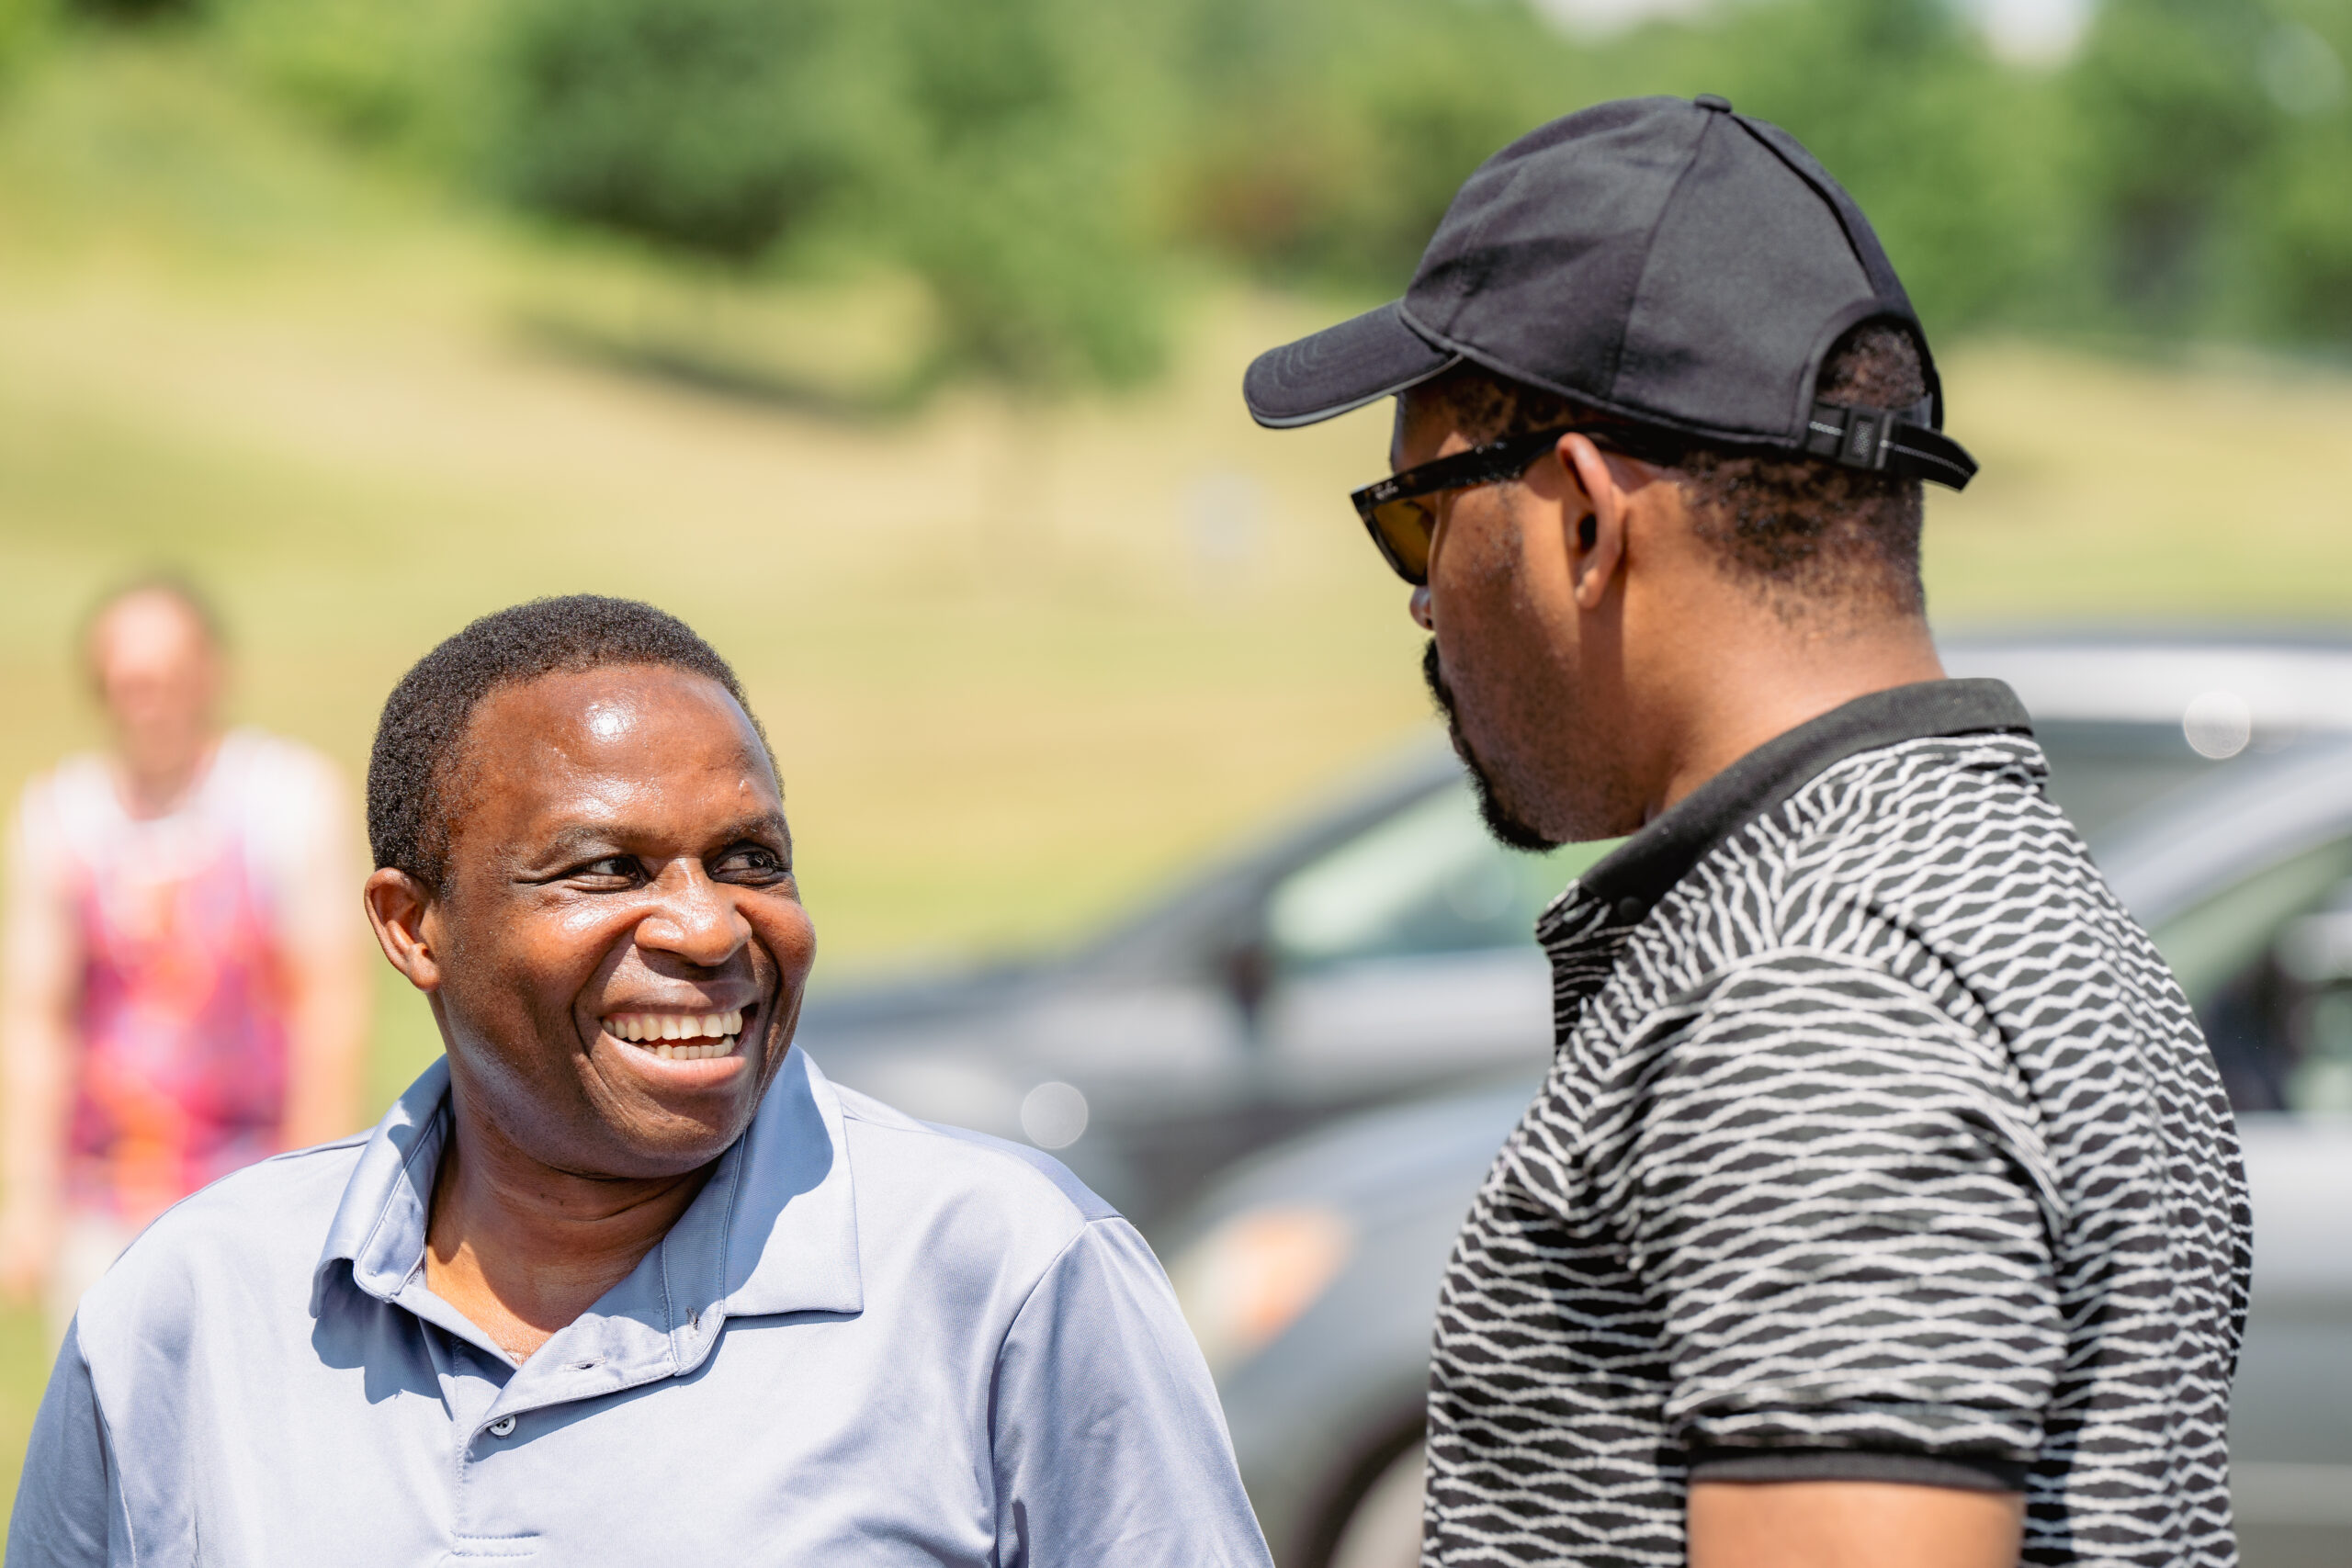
(1851, 1524)
(39, 983)
(1108, 1442)
(320, 937)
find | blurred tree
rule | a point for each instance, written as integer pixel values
(136, 10)
(2298, 205)
(1328, 136)
(22, 23)
(971, 144)
(717, 127)
(1044, 167)
(384, 74)
(1020, 203)
(2173, 118)
(1960, 161)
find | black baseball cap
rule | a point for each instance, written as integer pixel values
(1673, 264)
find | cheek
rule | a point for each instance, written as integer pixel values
(789, 936)
(517, 965)
(1481, 622)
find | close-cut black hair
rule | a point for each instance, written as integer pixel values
(421, 738)
(1804, 530)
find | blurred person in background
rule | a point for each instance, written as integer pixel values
(185, 991)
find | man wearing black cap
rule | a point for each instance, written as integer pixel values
(1883, 1205)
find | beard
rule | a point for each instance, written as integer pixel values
(1505, 824)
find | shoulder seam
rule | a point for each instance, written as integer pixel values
(989, 1145)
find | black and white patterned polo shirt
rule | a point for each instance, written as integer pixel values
(1880, 1145)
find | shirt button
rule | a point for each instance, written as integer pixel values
(502, 1428)
(1630, 910)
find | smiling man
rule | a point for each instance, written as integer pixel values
(622, 1279)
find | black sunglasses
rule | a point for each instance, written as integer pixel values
(1395, 510)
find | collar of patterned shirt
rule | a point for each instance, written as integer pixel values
(868, 1340)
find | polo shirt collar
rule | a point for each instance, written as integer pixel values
(774, 1230)
(1639, 872)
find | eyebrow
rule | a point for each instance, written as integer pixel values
(579, 837)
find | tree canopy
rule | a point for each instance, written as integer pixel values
(1047, 167)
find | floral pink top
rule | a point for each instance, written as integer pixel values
(177, 922)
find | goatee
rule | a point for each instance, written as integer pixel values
(1505, 826)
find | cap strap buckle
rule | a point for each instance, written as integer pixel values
(1856, 437)
(1887, 442)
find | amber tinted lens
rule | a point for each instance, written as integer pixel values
(1402, 530)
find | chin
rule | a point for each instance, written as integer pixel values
(1537, 814)
(1504, 819)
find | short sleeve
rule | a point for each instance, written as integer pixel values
(66, 1496)
(1836, 1196)
(1108, 1442)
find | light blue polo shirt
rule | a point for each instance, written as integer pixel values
(868, 1340)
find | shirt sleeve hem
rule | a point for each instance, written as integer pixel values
(1960, 1472)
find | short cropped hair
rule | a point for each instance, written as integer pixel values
(421, 739)
(1805, 531)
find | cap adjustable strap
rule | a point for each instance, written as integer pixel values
(1886, 441)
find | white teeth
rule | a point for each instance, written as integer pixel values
(654, 1030)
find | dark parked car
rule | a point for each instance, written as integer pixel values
(1379, 950)
(2215, 782)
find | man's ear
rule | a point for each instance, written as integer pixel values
(400, 909)
(1598, 535)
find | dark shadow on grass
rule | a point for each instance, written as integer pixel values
(697, 368)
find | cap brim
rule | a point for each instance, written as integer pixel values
(1358, 362)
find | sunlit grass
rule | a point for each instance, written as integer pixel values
(1020, 662)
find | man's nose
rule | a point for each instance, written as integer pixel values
(695, 918)
(1419, 607)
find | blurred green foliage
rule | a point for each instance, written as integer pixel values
(22, 22)
(1049, 168)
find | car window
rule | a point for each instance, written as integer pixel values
(1426, 879)
(2268, 965)
(2102, 771)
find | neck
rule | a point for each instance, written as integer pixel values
(523, 1248)
(157, 779)
(1738, 691)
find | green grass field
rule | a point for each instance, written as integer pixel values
(1019, 661)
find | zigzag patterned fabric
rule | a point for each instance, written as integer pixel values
(1882, 1147)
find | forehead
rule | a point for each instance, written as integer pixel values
(647, 739)
(146, 626)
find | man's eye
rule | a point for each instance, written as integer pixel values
(611, 868)
(753, 863)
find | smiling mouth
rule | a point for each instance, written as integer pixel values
(679, 1036)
